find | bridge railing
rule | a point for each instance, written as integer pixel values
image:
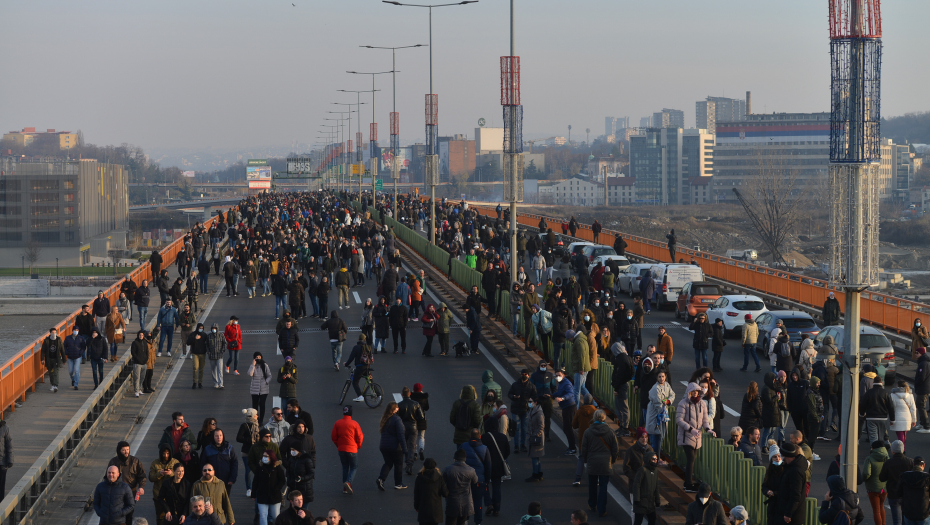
(725, 469)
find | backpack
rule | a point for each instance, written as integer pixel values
(462, 419)
(784, 349)
(367, 357)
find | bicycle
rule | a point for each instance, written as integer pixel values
(372, 391)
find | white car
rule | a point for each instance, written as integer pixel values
(733, 309)
(622, 262)
(628, 280)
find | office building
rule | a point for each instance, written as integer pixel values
(456, 157)
(668, 118)
(489, 140)
(698, 190)
(645, 122)
(785, 144)
(69, 210)
(719, 109)
(614, 124)
(662, 159)
(895, 171)
(66, 139)
(622, 190)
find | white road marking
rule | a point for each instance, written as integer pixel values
(358, 300)
(728, 409)
(397, 398)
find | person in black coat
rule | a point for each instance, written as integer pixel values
(771, 483)
(891, 472)
(718, 343)
(792, 488)
(695, 513)
(382, 325)
(839, 499)
(499, 448)
(750, 414)
(428, 491)
(301, 470)
(622, 375)
(189, 458)
(702, 332)
(174, 495)
(268, 483)
(397, 317)
(113, 499)
(915, 495)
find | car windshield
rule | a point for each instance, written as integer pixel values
(603, 251)
(799, 323)
(873, 341)
(748, 305)
(704, 290)
(642, 272)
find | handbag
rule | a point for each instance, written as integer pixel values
(503, 459)
(342, 335)
(925, 341)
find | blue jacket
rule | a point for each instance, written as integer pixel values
(403, 293)
(74, 347)
(544, 382)
(225, 461)
(392, 436)
(167, 317)
(473, 319)
(113, 502)
(477, 457)
(567, 392)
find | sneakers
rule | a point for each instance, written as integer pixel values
(505, 478)
(691, 488)
(336, 366)
(248, 493)
(347, 488)
(227, 369)
(235, 372)
(359, 399)
(570, 452)
(924, 431)
(816, 457)
(380, 484)
(576, 483)
(400, 487)
(54, 389)
(169, 354)
(158, 354)
(138, 394)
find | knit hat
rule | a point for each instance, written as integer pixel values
(347, 410)
(640, 432)
(773, 451)
(748, 317)
(789, 450)
(250, 413)
(815, 381)
(921, 350)
(739, 513)
(418, 387)
(288, 358)
(897, 447)
(264, 432)
(569, 334)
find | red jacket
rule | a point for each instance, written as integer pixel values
(347, 435)
(430, 323)
(233, 332)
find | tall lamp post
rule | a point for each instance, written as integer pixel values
(513, 140)
(358, 97)
(332, 140)
(432, 118)
(358, 140)
(373, 132)
(395, 117)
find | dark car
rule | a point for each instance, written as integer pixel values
(559, 249)
(796, 323)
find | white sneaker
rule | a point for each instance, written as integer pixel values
(169, 354)
(158, 354)
(816, 457)
(924, 431)
(248, 493)
(53, 389)
(190, 356)
(138, 394)
(359, 399)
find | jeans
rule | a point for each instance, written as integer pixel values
(138, 374)
(568, 414)
(250, 290)
(515, 323)
(479, 494)
(700, 355)
(143, 313)
(247, 472)
(234, 359)
(216, 366)
(494, 486)
(519, 434)
(203, 281)
(895, 504)
(392, 459)
(410, 437)
(580, 389)
(597, 492)
(96, 366)
(113, 347)
(74, 370)
(349, 462)
(315, 305)
(236, 284)
(337, 351)
(912, 522)
(101, 325)
(655, 440)
(622, 408)
(280, 304)
(268, 513)
(421, 440)
(750, 350)
(166, 331)
(539, 276)
(537, 466)
(266, 285)
(380, 343)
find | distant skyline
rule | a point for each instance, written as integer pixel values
(231, 74)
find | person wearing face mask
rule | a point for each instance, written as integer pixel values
(216, 347)
(301, 470)
(771, 482)
(920, 337)
(702, 331)
(645, 491)
(544, 382)
(691, 416)
(521, 391)
(635, 457)
(198, 344)
(535, 437)
(139, 354)
(565, 396)
(52, 356)
(661, 396)
(628, 330)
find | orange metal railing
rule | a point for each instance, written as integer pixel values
(882, 310)
(21, 373)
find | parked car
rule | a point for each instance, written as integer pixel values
(577, 247)
(873, 346)
(594, 251)
(559, 247)
(622, 262)
(628, 280)
(796, 323)
(694, 298)
(733, 309)
(671, 278)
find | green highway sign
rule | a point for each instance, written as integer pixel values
(258, 162)
(379, 184)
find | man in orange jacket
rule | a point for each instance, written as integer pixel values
(347, 435)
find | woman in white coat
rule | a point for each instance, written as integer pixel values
(661, 396)
(905, 411)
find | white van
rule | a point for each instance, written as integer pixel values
(671, 278)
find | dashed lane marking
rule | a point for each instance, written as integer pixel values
(358, 300)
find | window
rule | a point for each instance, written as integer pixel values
(38, 185)
(11, 236)
(45, 210)
(69, 184)
(69, 210)
(45, 197)
(11, 223)
(11, 210)
(69, 222)
(45, 224)
(47, 237)
(69, 197)
(69, 236)
(11, 197)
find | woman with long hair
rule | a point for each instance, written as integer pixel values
(233, 335)
(905, 411)
(393, 446)
(661, 396)
(428, 491)
(205, 436)
(368, 319)
(751, 412)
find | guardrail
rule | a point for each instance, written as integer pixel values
(21, 373)
(881, 310)
(725, 469)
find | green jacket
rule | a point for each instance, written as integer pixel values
(488, 383)
(474, 414)
(188, 321)
(445, 319)
(581, 361)
(471, 261)
(873, 467)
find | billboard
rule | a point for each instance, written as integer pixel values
(299, 165)
(264, 184)
(189, 174)
(258, 173)
(387, 159)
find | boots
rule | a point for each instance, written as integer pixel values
(534, 477)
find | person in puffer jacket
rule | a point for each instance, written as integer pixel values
(691, 416)
(113, 500)
(837, 500)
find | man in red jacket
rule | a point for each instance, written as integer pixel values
(347, 435)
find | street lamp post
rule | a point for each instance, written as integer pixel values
(359, 103)
(373, 132)
(395, 124)
(358, 141)
(334, 136)
(432, 118)
(345, 136)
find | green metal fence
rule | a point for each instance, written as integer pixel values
(725, 469)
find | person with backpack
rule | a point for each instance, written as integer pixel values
(363, 357)
(838, 501)
(465, 415)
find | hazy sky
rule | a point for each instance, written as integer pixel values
(237, 73)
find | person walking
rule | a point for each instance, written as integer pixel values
(287, 377)
(248, 436)
(224, 460)
(599, 450)
(398, 317)
(113, 499)
(115, 331)
(691, 416)
(521, 391)
(393, 447)
(337, 330)
(774, 403)
(499, 448)
(211, 488)
(645, 491)
(348, 437)
(260, 383)
(536, 437)
(565, 396)
(174, 497)
(749, 337)
(52, 356)
(428, 490)
(216, 347)
(702, 331)
(97, 352)
(233, 335)
(139, 355)
(905, 410)
(751, 408)
(131, 471)
(460, 480)
(890, 475)
(478, 457)
(831, 311)
(430, 320)
(75, 350)
(412, 416)
(874, 486)
(792, 490)
(141, 299)
(161, 471)
(268, 486)
(718, 341)
(580, 361)
(198, 344)
(878, 408)
(167, 320)
(672, 244)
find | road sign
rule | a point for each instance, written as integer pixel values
(379, 184)
(299, 165)
(257, 162)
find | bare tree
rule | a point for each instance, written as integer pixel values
(32, 252)
(773, 200)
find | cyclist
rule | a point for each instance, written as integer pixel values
(363, 358)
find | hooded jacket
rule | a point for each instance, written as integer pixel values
(580, 358)
(873, 469)
(841, 500)
(915, 485)
(691, 419)
(659, 394)
(645, 488)
(155, 470)
(131, 470)
(428, 491)
(468, 398)
(334, 325)
(488, 383)
(772, 406)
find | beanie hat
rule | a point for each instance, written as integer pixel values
(640, 432)
(816, 381)
(897, 447)
(347, 410)
(921, 350)
(748, 317)
(250, 413)
(569, 334)
(418, 387)
(264, 432)
(773, 451)
(739, 513)
(789, 450)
